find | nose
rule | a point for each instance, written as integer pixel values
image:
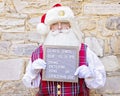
(59, 26)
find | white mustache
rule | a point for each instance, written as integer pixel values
(60, 31)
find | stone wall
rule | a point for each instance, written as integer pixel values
(99, 20)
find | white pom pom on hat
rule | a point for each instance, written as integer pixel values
(42, 28)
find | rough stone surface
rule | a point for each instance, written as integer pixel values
(111, 63)
(18, 38)
(22, 49)
(95, 45)
(4, 47)
(111, 86)
(11, 69)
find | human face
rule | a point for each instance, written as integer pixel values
(59, 26)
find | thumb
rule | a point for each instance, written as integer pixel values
(39, 64)
(43, 66)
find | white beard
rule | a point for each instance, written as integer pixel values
(62, 37)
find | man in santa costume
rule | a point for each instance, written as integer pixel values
(58, 27)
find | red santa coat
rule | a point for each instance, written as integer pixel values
(52, 88)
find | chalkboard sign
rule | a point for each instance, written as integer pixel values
(62, 62)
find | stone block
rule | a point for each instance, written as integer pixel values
(34, 37)
(1, 7)
(4, 47)
(114, 44)
(95, 45)
(13, 36)
(12, 25)
(25, 6)
(22, 49)
(112, 86)
(110, 63)
(11, 69)
(98, 9)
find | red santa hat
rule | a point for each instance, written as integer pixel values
(55, 14)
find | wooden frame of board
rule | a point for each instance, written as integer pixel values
(62, 62)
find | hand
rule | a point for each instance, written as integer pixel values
(27, 80)
(39, 64)
(30, 82)
(83, 72)
(32, 72)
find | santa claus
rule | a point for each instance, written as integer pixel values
(58, 27)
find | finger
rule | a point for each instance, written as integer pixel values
(43, 62)
(43, 66)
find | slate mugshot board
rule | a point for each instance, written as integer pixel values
(62, 62)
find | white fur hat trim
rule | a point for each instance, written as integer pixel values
(57, 14)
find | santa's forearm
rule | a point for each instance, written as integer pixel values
(32, 77)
